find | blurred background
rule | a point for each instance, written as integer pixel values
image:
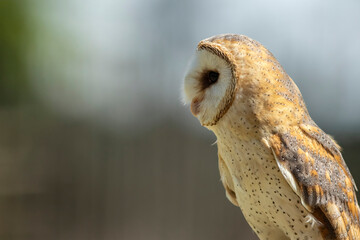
(94, 140)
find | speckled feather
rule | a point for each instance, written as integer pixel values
(275, 163)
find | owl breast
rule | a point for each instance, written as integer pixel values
(253, 182)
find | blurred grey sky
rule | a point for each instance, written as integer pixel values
(123, 61)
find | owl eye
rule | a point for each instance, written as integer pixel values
(209, 78)
(213, 77)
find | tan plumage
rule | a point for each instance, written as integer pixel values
(287, 176)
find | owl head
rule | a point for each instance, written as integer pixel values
(230, 70)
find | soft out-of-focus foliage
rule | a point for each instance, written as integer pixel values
(94, 142)
(15, 36)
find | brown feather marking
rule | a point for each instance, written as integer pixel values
(310, 167)
(327, 175)
(326, 229)
(328, 143)
(332, 212)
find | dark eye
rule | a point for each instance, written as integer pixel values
(213, 77)
(209, 78)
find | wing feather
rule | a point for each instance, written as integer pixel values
(312, 164)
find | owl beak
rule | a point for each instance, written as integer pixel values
(195, 106)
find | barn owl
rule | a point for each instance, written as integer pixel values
(287, 176)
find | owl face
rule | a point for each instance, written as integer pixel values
(230, 70)
(209, 84)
